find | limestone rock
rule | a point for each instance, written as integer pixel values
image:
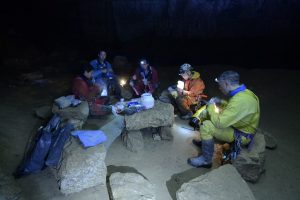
(133, 140)
(131, 186)
(271, 142)
(80, 112)
(223, 183)
(81, 168)
(77, 123)
(166, 133)
(162, 114)
(113, 129)
(251, 164)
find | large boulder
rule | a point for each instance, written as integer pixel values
(75, 115)
(80, 112)
(133, 140)
(162, 114)
(113, 129)
(131, 186)
(81, 168)
(223, 183)
(250, 164)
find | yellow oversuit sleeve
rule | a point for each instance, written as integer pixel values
(238, 108)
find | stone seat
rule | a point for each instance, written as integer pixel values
(161, 116)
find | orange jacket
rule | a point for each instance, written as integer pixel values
(195, 86)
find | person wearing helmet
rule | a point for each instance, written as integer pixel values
(145, 79)
(104, 75)
(186, 95)
(233, 121)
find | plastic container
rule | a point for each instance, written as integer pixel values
(147, 100)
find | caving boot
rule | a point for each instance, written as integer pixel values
(205, 160)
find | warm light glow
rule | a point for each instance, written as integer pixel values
(122, 82)
(180, 84)
(217, 109)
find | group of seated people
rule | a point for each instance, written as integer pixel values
(233, 121)
(98, 81)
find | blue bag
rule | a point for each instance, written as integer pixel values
(35, 161)
(58, 141)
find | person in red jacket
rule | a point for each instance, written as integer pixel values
(85, 89)
(145, 79)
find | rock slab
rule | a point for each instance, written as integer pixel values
(223, 183)
(78, 112)
(130, 186)
(133, 140)
(250, 164)
(76, 115)
(81, 168)
(162, 114)
(113, 129)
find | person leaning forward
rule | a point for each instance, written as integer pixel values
(186, 95)
(234, 121)
(85, 89)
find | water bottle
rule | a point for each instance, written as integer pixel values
(121, 105)
(122, 102)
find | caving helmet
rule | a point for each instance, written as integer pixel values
(185, 68)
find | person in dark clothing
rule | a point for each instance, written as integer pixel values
(104, 75)
(145, 79)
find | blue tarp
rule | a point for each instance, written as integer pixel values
(90, 138)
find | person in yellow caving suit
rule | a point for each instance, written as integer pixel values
(234, 121)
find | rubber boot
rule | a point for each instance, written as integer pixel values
(205, 160)
(187, 116)
(197, 143)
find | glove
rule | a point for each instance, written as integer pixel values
(174, 94)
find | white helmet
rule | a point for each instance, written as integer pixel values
(185, 68)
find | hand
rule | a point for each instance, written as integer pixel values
(179, 90)
(145, 81)
(131, 83)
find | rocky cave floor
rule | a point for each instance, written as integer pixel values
(162, 162)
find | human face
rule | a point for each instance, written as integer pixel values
(144, 65)
(102, 55)
(185, 76)
(223, 86)
(88, 75)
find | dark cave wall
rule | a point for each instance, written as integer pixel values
(213, 31)
(126, 20)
